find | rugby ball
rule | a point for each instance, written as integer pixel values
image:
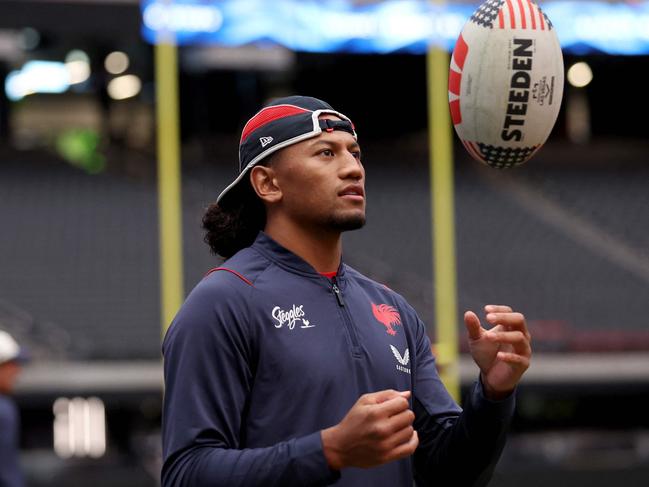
(505, 82)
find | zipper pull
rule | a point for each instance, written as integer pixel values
(337, 292)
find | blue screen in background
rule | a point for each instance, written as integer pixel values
(391, 26)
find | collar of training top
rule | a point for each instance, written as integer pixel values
(285, 122)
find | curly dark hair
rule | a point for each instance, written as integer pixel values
(229, 230)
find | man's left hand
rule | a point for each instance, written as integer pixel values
(503, 352)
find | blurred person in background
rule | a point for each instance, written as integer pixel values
(287, 367)
(11, 358)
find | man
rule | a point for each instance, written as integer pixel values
(11, 357)
(287, 367)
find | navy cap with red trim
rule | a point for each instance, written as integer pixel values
(285, 121)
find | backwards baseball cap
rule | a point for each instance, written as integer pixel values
(10, 350)
(286, 121)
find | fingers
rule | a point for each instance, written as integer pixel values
(509, 328)
(516, 339)
(392, 406)
(507, 319)
(400, 421)
(380, 396)
(515, 359)
(497, 308)
(376, 430)
(396, 423)
(497, 315)
(510, 320)
(405, 449)
(400, 437)
(473, 327)
(394, 432)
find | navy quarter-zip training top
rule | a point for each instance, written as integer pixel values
(265, 353)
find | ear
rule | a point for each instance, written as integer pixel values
(264, 182)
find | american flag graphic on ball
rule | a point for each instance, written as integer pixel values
(512, 14)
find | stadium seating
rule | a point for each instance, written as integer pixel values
(563, 242)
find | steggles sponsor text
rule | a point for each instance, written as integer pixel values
(290, 318)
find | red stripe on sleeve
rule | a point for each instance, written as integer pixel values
(231, 272)
(542, 20)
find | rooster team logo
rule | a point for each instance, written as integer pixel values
(387, 316)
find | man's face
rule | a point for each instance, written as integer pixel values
(323, 181)
(8, 374)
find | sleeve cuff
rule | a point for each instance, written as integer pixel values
(502, 409)
(310, 450)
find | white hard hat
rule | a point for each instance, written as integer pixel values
(9, 349)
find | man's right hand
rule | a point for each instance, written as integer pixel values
(376, 430)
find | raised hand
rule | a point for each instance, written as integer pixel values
(503, 352)
(376, 430)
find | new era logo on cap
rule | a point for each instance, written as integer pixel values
(265, 141)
